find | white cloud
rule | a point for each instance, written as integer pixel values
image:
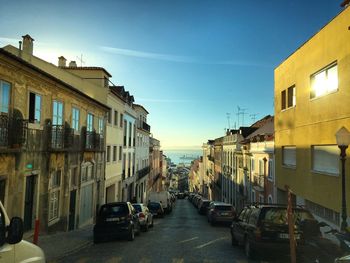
(148, 55)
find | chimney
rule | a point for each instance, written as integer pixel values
(28, 44)
(62, 61)
(72, 64)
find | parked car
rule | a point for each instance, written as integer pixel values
(145, 216)
(203, 206)
(219, 212)
(156, 209)
(12, 247)
(117, 219)
(180, 195)
(262, 228)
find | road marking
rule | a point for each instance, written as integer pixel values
(178, 260)
(187, 240)
(211, 242)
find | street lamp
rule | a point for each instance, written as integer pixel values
(343, 140)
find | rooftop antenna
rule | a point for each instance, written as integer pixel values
(253, 116)
(81, 60)
(228, 119)
(241, 112)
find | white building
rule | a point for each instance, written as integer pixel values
(142, 153)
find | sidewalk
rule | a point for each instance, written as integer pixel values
(60, 244)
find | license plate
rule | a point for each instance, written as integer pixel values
(224, 214)
(115, 219)
(286, 236)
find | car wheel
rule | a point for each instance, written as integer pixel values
(146, 227)
(248, 249)
(234, 242)
(96, 240)
(131, 236)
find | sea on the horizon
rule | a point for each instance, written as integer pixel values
(175, 155)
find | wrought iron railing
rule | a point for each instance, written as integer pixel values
(94, 141)
(143, 172)
(61, 137)
(146, 127)
(13, 131)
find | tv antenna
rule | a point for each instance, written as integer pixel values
(240, 112)
(228, 115)
(253, 116)
(81, 60)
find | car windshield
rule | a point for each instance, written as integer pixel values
(113, 211)
(138, 208)
(278, 216)
(154, 206)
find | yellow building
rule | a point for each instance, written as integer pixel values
(312, 92)
(52, 137)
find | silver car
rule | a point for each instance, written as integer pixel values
(145, 216)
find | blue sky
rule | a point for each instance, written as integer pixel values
(189, 63)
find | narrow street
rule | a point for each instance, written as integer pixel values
(183, 236)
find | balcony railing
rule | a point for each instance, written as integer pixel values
(143, 172)
(94, 141)
(13, 131)
(146, 127)
(61, 137)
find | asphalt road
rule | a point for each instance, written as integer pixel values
(183, 236)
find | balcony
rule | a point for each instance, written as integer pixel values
(13, 132)
(143, 172)
(60, 137)
(93, 141)
(145, 127)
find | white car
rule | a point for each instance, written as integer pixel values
(145, 216)
(12, 248)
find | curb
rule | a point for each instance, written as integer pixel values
(70, 252)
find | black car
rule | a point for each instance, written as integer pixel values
(116, 220)
(262, 228)
(156, 209)
(203, 206)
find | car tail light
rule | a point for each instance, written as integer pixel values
(141, 215)
(257, 233)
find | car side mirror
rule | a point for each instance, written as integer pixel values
(15, 230)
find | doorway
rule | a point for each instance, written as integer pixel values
(72, 201)
(28, 203)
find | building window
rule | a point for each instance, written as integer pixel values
(34, 108)
(75, 118)
(114, 153)
(270, 174)
(108, 154)
(324, 81)
(121, 120)
(100, 126)
(261, 167)
(120, 152)
(55, 184)
(291, 97)
(5, 88)
(109, 116)
(289, 155)
(115, 118)
(90, 122)
(74, 177)
(283, 100)
(125, 131)
(130, 132)
(57, 113)
(325, 159)
(270, 199)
